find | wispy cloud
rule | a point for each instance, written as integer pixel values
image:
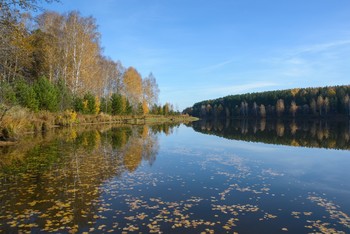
(305, 62)
(319, 47)
(215, 66)
(241, 88)
(221, 90)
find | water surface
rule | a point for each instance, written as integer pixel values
(175, 179)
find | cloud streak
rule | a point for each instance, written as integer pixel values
(215, 66)
(320, 47)
(241, 88)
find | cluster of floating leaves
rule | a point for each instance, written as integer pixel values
(334, 213)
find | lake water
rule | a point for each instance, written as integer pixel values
(232, 176)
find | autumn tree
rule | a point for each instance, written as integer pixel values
(15, 41)
(84, 49)
(150, 92)
(262, 111)
(133, 87)
(111, 76)
(15, 51)
(52, 52)
(280, 107)
(293, 108)
(12, 8)
(320, 103)
(166, 109)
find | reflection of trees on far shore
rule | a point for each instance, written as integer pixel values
(308, 133)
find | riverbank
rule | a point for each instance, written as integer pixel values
(19, 121)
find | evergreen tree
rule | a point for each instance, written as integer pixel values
(117, 105)
(7, 94)
(64, 96)
(46, 94)
(78, 104)
(89, 104)
(26, 95)
(106, 106)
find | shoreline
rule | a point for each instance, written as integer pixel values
(21, 122)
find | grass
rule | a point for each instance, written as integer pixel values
(19, 120)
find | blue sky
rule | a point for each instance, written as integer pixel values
(201, 50)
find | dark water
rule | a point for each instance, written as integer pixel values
(175, 179)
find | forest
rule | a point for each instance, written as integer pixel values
(55, 62)
(322, 102)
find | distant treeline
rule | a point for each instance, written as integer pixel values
(307, 133)
(55, 62)
(291, 103)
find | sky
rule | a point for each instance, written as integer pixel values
(200, 50)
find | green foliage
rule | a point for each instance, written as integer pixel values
(318, 133)
(26, 96)
(106, 106)
(89, 104)
(307, 102)
(166, 109)
(139, 110)
(7, 94)
(128, 108)
(47, 94)
(78, 104)
(64, 96)
(117, 104)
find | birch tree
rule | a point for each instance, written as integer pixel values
(133, 86)
(150, 92)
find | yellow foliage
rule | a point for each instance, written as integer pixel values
(73, 135)
(97, 105)
(97, 139)
(294, 92)
(145, 108)
(85, 105)
(145, 132)
(331, 91)
(294, 143)
(69, 117)
(73, 116)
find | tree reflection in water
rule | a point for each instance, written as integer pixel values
(51, 182)
(307, 133)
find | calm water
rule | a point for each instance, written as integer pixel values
(209, 177)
